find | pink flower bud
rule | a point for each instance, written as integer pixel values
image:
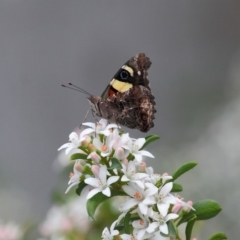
(124, 161)
(78, 166)
(165, 174)
(194, 239)
(187, 206)
(95, 157)
(95, 169)
(142, 167)
(119, 153)
(91, 147)
(86, 141)
(177, 208)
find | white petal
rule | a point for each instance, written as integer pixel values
(149, 201)
(129, 190)
(138, 157)
(112, 180)
(152, 226)
(92, 181)
(85, 132)
(71, 146)
(166, 189)
(163, 228)
(64, 146)
(139, 183)
(139, 175)
(129, 204)
(69, 187)
(93, 192)
(139, 142)
(146, 153)
(143, 208)
(163, 208)
(171, 216)
(105, 154)
(97, 143)
(106, 192)
(125, 178)
(103, 173)
(90, 124)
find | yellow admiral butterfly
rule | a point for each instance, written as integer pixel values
(127, 100)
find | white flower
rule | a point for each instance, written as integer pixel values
(160, 222)
(101, 127)
(164, 198)
(105, 148)
(155, 177)
(140, 197)
(75, 141)
(134, 147)
(130, 174)
(74, 178)
(127, 237)
(109, 235)
(10, 231)
(139, 228)
(101, 184)
(119, 144)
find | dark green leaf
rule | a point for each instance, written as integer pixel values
(97, 199)
(172, 230)
(204, 209)
(176, 187)
(115, 164)
(189, 227)
(218, 236)
(127, 220)
(76, 156)
(184, 168)
(150, 139)
(80, 187)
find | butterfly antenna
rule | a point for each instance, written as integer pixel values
(84, 118)
(76, 88)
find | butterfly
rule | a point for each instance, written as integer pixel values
(127, 100)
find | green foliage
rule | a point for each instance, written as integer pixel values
(149, 139)
(184, 168)
(218, 236)
(97, 199)
(177, 188)
(115, 164)
(77, 156)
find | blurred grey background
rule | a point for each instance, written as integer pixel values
(195, 76)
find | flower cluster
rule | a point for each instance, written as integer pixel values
(110, 163)
(10, 231)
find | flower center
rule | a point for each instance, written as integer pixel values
(104, 148)
(71, 175)
(137, 195)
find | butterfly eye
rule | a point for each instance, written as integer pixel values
(124, 75)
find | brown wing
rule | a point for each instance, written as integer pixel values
(134, 108)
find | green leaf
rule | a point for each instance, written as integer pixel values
(115, 164)
(189, 227)
(149, 139)
(184, 168)
(97, 199)
(176, 187)
(172, 230)
(218, 236)
(126, 223)
(80, 187)
(204, 209)
(76, 156)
